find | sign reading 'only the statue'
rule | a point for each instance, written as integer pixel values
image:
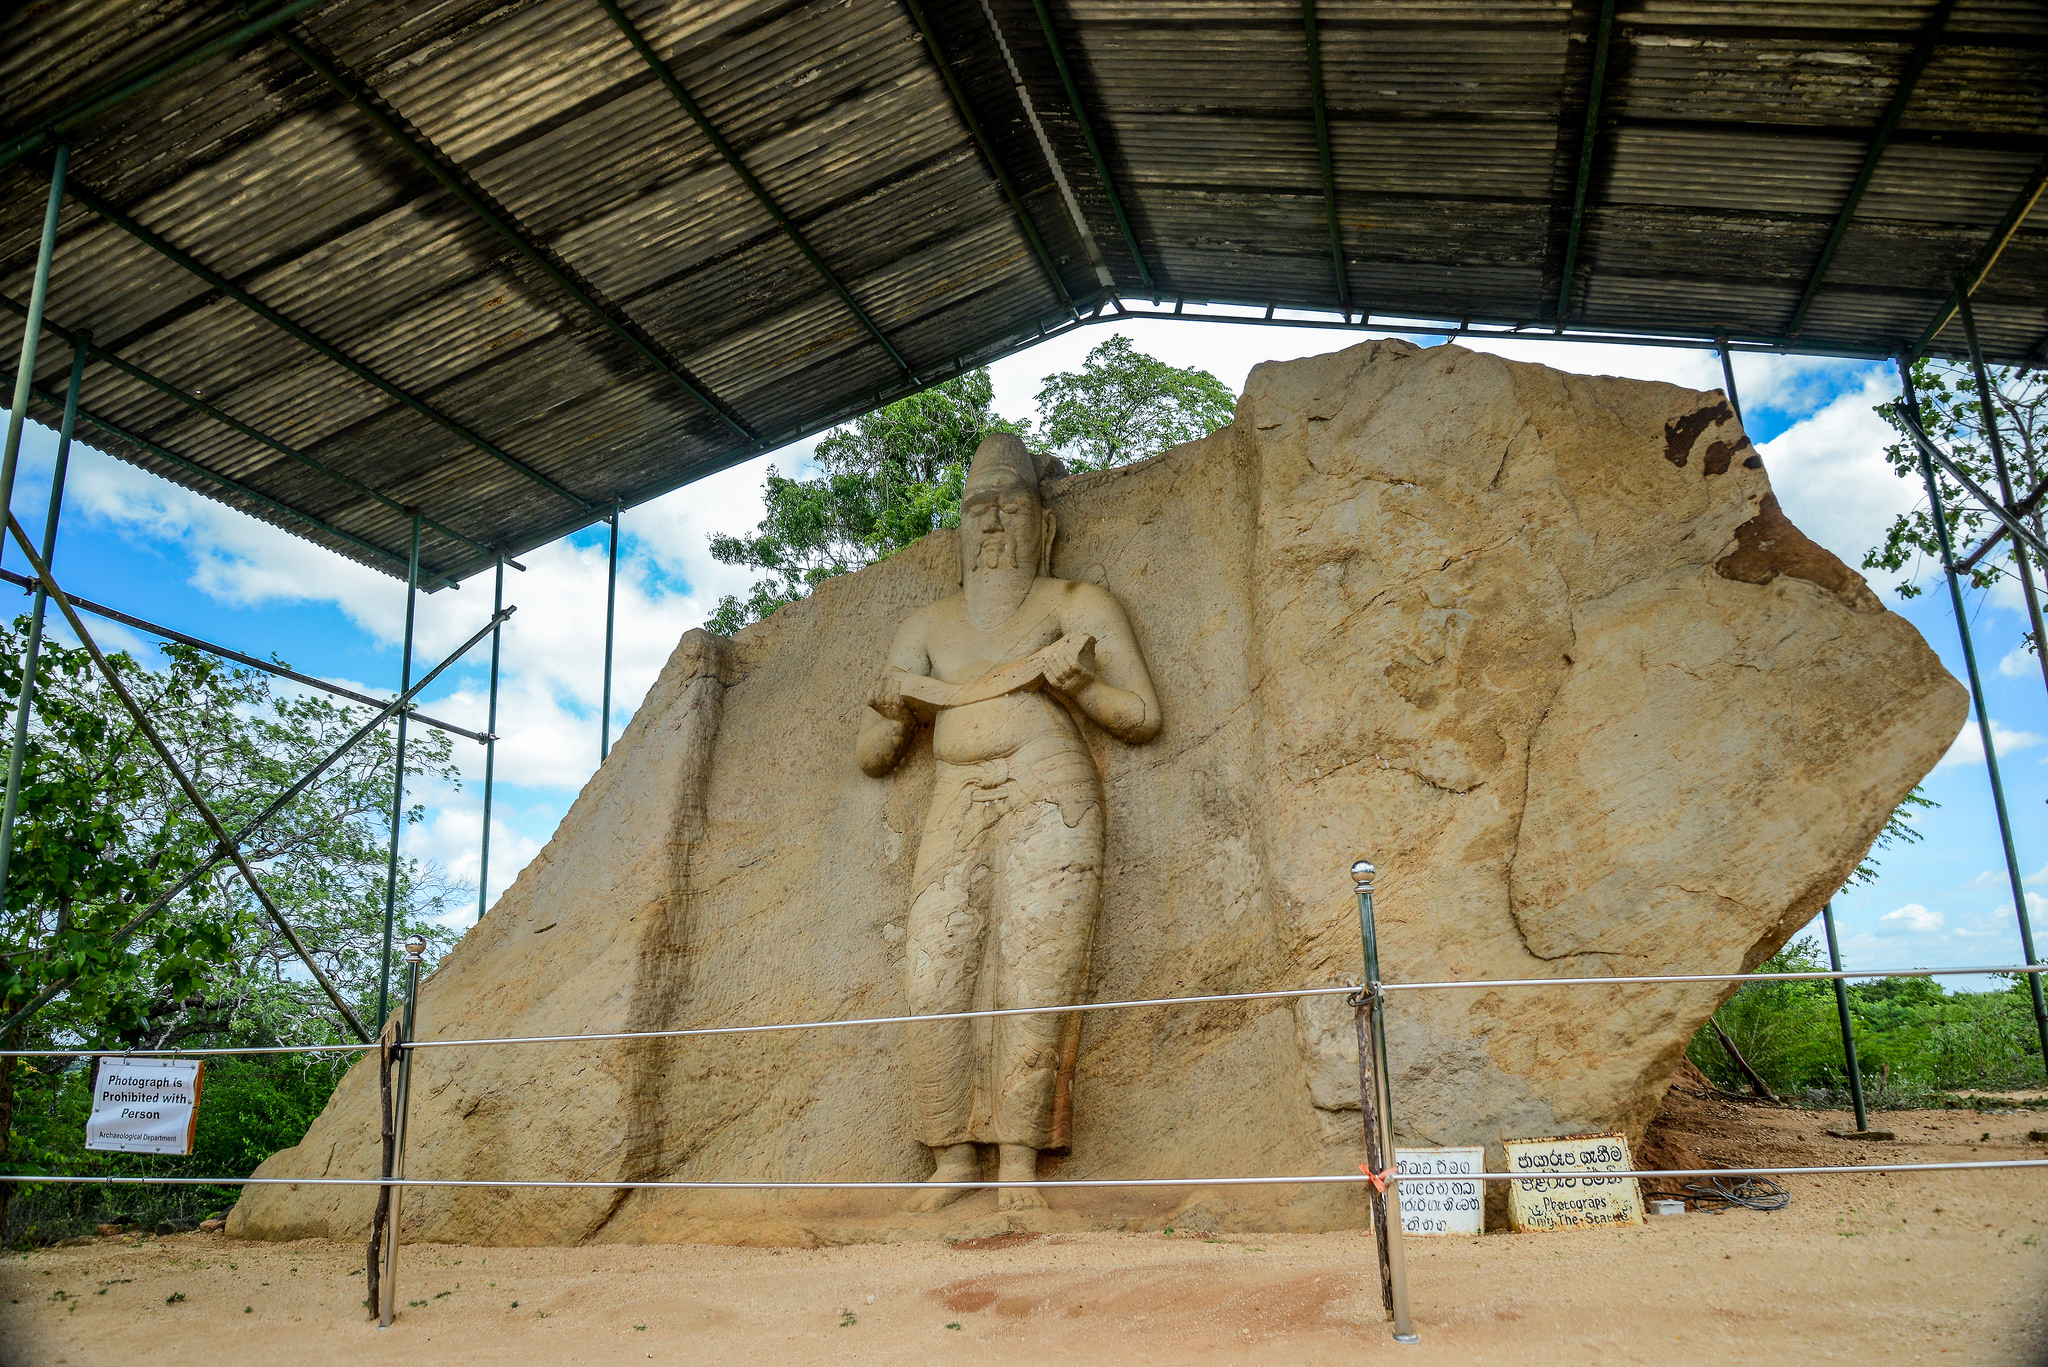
(1566, 1189)
(1009, 871)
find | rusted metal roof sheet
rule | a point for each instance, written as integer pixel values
(475, 257)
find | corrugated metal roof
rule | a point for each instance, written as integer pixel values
(493, 269)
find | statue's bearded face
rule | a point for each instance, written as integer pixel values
(1002, 529)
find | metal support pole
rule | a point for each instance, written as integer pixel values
(32, 332)
(284, 799)
(1596, 82)
(387, 1289)
(1997, 442)
(1827, 918)
(1955, 592)
(483, 862)
(206, 813)
(113, 614)
(412, 593)
(1379, 1114)
(1323, 154)
(1728, 376)
(10, 807)
(611, 600)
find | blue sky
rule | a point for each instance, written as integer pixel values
(141, 544)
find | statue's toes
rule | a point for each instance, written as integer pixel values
(1021, 1198)
(936, 1198)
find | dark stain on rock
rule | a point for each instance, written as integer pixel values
(662, 984)
(1753, 463)
(1768, 545)
(1681, 433)
(1720, 453)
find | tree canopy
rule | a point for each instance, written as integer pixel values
(894, 476)
(889, 478)
(104, 829)
(1951, 413)
(1123, 405)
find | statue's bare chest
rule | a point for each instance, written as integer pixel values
(961, 652)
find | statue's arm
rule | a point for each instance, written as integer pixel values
(1119, 697)
(887, 723)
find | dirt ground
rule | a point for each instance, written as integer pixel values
(1948, 1268)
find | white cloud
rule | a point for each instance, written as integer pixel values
(2019, 663)
(553, 652)
(450, 838)
(1829, 472)
(1969, 743)
(675, 528)
(1916, 919)
(238, 560)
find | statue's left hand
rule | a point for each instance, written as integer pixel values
(1075, 670)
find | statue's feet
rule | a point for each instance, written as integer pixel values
(956, 1163)
(1020, 1199)
(1018, 1163)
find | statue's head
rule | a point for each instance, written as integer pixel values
(1004, 525)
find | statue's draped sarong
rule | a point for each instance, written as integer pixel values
(1001, 915)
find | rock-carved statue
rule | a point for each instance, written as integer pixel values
(1009, 869)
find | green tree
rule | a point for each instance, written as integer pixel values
(1952, 415)
(895, 475)
(104, 829)
(1123, 405)
(889, 478)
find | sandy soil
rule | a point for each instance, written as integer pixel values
(1912, 1268)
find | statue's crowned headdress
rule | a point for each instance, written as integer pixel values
(1001, 465)
(1002, 462)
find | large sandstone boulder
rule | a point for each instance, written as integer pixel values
(1540, 645)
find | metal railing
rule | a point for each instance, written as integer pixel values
(1379, 1174)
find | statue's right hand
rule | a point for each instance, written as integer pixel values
(888, 700)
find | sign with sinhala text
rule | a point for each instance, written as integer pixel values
(144, 1105)
(1442, 1204)
(1566, 1190)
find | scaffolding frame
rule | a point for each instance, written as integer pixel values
(1108, 305)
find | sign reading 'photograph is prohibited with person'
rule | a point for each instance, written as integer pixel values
(144, 1105)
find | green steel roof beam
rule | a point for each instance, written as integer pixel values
(119, 433)
(988, 152)
(78, 340)
(1123, 222)
(1987, 255)
(985, 352)
(1315, 89)
(1595, 86)
(748, 178)
(361, 97)
(76, 116)
(1916, 64)
(193, 266)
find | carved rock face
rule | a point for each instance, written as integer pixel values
(1542, 646)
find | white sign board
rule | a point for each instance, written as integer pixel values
(1569, 1194)
(1442, 1204)
(144, 1105)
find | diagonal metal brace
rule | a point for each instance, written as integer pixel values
(226, 844)
(262, 818)
(2024, 508)
(1919, 437)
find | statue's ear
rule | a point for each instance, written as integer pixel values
(1052, 526)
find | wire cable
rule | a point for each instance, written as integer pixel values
(1718, 1194)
